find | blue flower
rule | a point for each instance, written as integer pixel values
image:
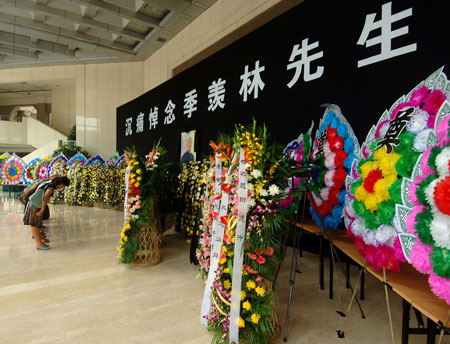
(341, 197)
(328, 118)
(342, 130)
(349, 144)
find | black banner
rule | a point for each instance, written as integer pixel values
(359, 55)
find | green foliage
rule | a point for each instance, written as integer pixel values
(69, 150)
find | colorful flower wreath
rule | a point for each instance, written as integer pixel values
(78, 157)
(58, 165)
(29, 172)
(42, 168)
(112, 160)
(12, 169)
(96, 159)
(429, 220)
(388, 158)
(334, 150)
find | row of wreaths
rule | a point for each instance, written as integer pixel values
(391, 192)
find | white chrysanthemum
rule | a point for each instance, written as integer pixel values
(324, 193)
(274, 190)
(251, 203)
(396, 224)
(369, 237)
(420, 141)
(329, 161)
(326, 148)
(429, 194)
(256, 174)
(440, 230)
(385, 235)
(358, 227)
(418, 122)
(263, 192)
(328, 179)
(442, 160)
(350, 211)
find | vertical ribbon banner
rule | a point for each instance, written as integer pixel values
(218, 228)
(239, 251)
(125, 203)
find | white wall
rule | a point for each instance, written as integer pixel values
(63, 109)
(13, 132)
(39, 134)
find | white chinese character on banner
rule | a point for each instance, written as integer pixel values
(128, 130)
(251, 81)
(169, 111)
(387, 34)
(153, 117)
(140, 123)
(216, 94)
(190, 102)
(305, 61)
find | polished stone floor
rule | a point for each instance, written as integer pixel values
(78, 293)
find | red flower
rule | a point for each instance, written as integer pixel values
(213, 215)
(441, 195)
(325, 208)
(333, 194)
(339, 158)
(336, 144)
(331, 133)
(371, 179)
(261, 260)
(269, 251)
(259, 279)
(259, 252)
(227, 188)
(224, 219)
(252, 256)
(339, 177)
(434, 102)
(250, 270)
(219, 197)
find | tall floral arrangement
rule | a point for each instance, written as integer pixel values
(133, 207)
(266, 168)
(387, 161)
(429, 219)
(86, 179)
(335, 148)
(150, 189)
(191, 187)
(74, 175)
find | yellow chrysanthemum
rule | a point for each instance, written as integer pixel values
(241, 322)
(260, 291)
(246, 305)
(226, 270)
(227, 284)
(250, 285)
(243, 295)
(386, 164)
(255, 318)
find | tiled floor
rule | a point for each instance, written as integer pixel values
(78, 293)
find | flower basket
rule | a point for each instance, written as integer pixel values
(147, 253)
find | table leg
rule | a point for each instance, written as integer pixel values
(431, 335)
(405, 321)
